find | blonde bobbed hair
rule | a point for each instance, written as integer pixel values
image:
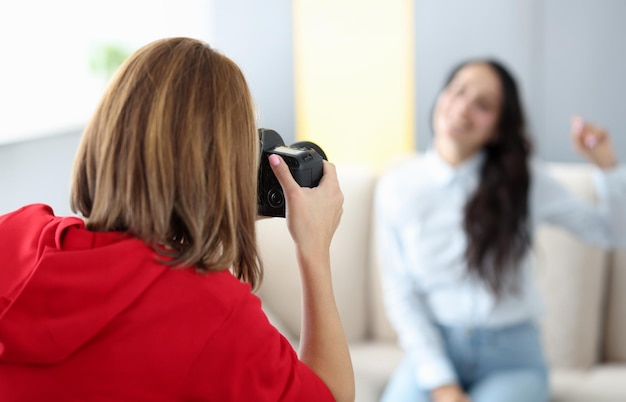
(170, 157)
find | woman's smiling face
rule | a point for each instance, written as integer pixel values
(467, 112)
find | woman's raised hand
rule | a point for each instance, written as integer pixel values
(593, 142)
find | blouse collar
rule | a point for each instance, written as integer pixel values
(444, 174)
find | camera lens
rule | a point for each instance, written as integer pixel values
(275, 198)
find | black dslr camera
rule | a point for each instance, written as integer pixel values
(305, 161)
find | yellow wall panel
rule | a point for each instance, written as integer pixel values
(354, 78)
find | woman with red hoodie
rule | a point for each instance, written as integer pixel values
(147, 295)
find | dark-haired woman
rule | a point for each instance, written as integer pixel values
(454, 232)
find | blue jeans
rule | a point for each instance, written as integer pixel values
(492, 365)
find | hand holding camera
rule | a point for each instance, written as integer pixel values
(305, 161)
(314, 205)
(299, 177)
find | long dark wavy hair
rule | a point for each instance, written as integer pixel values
(496, 215)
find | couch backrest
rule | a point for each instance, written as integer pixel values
(615, 344)
(572, 277)
(280, 290)
(582, 285)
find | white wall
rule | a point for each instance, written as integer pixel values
(258, 36)
(583, 68)
(567, 55)
(47, 82)
(38, 171)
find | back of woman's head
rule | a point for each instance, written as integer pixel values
(496, 215)
(170, 156)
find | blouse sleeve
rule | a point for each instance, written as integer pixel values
(247, 359)
(602, 224)
(403, 301)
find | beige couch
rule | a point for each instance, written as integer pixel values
(583, 288)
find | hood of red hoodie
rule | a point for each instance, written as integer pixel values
(60, 284)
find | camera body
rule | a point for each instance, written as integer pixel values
(305, 160)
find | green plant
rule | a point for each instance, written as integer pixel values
(105, 59)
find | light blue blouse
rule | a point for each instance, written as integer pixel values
(421, 244)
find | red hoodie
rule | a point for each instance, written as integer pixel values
(88, 316)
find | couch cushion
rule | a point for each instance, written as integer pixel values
(571, 278)
(604, 383)
(280, 290)
(615, 348)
